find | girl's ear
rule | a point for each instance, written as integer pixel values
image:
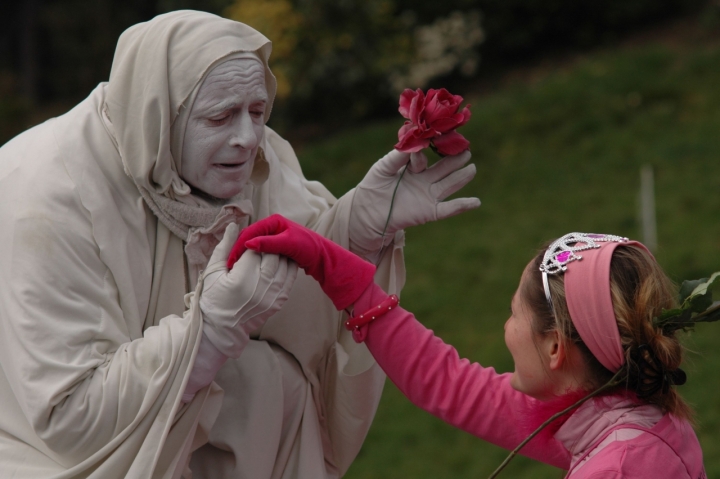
(555, 349)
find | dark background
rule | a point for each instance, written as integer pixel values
(54, 52)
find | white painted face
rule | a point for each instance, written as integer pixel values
(225, 127)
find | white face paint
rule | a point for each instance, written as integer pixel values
(224, 128)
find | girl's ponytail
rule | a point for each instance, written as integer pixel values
(640, 292)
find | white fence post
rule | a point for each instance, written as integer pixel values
(647, 207)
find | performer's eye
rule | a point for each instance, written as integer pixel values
(219, 120)
(257, 109)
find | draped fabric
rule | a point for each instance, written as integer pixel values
(99, 316)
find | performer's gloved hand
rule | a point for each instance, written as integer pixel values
(419, 197)
(236, 302)
(208, 362)
(342, 275)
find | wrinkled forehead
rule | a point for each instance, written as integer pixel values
(168, 57)
(232, 81)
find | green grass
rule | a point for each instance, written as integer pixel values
(560, 155)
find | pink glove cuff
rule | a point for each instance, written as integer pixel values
(358, 324)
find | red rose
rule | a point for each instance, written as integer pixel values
(433, 119)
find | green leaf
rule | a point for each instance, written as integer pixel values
(668, 313)
(686, 319)
(715, 316)
(700, 297)
(711, 314)
(706, 285)
(697, 303)
(673, 319)
(687, 288)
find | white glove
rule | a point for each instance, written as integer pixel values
(208, 362)
(419, 197)
(237, 302)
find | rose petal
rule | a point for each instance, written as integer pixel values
(412, 139)
(405, 130)
(435, 104)
(412, 104)
(466, 115)
(451, 143)
(418, 131)
(441, 105)
(444, 125)
(431, 99)
(406, 98)
(412, 145)
(417, 107)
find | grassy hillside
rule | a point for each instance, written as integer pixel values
(560, 154)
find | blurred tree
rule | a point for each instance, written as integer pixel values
(281, 23)
(16, 29)
(337, 61)
(28, 42)
(519, 29)
(446, 45)
(343, 60)
(332, 57)
(54, 52)
(79, 38)
(78, 41)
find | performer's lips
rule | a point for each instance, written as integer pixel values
(230, 166)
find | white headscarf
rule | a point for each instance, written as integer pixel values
(157, 70)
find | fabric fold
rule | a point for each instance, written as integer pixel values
(98, 343)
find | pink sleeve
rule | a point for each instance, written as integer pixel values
(464, 394)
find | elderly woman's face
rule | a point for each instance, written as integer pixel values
(225, 127)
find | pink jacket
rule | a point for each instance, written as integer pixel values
(605, 438)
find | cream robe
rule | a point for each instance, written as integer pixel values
(96, 342)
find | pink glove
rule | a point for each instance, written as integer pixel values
(342, 275)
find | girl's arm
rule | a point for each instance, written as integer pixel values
(426, 370)
(464, 394)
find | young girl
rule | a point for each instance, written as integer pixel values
(581, 317)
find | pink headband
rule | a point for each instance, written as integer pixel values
(587, 290)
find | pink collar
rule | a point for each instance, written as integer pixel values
(597, 416)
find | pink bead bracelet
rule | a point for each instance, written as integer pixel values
(373, 313)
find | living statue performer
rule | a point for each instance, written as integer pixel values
(123, 352)
(583, 326)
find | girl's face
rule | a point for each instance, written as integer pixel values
(532, 374)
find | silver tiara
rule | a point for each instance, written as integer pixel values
(562, 251)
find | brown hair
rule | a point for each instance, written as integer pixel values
(640, 290)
